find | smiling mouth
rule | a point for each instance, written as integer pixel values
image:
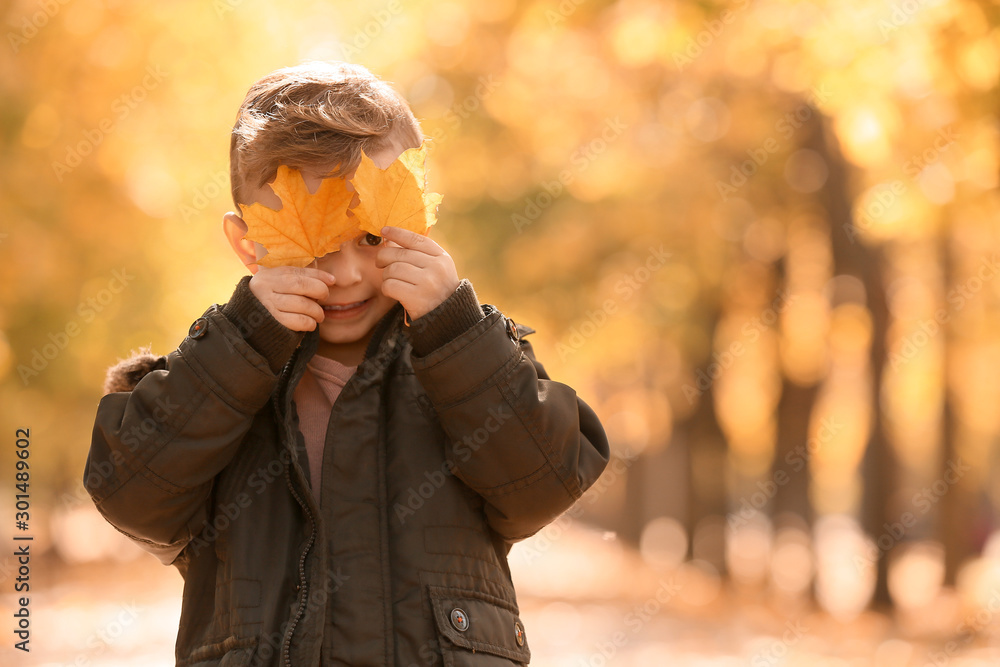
(347, 310)
(348, 306)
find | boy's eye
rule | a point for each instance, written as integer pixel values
(371, 239)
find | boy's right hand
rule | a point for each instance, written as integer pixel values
(292, 294)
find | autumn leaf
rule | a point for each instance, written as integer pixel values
(306, 226)
(395, 196)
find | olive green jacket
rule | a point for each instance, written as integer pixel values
(447, 445)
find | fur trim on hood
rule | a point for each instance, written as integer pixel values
(125, 374)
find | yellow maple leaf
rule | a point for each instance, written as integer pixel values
(395, 196)
(306, 226)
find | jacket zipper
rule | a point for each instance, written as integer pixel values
(304, 593)
(373, 345)
(303, 584)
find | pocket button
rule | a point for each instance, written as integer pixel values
(459, 619)
(519, 634)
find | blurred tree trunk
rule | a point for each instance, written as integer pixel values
(657, 486)
(955, 514)
(879, 468)
(794, 411)
(705, 445)
(684, 480)
(952, 518)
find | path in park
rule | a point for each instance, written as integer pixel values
(586, 601)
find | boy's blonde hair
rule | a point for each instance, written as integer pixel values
(312, 116)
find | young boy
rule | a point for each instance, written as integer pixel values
(341, 484)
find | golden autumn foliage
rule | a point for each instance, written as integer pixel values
(395, 196)
(823, 176)
(310, 225)
(306, 226)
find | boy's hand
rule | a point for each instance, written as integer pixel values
(292, 294)
(417, 272)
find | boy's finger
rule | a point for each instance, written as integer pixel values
(390, 254)
(295, 274)
(303, 284)
(410, 239)
(320, 274)
(313, 268)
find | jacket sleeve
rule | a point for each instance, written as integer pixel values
(528, 445)
(156, 449)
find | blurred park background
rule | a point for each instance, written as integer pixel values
(761, 238)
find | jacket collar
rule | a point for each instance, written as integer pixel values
(379, 355)
(384, 340)
(389, 324)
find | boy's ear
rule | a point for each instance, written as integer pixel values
(235, 229)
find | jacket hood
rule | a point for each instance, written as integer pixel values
(125, 375)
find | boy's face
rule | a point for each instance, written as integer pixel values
(353, 267)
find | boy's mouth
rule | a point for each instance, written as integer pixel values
(345, 309)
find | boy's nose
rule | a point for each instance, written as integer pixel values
(344, 264)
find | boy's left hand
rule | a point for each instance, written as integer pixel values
(417, 272)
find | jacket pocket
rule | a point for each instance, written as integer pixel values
(238, 657)
(229, 653)
(478, 630)
(237, 606)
